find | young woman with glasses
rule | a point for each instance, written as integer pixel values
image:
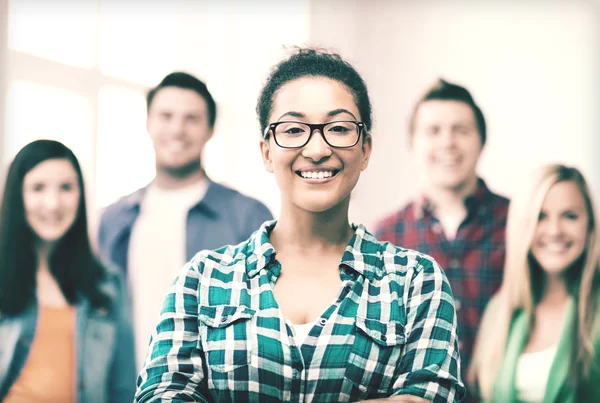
(310, 308)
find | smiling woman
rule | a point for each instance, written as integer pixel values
(64, 322)
(311, 307)
(301, 154)
(540, 335)
(51, 198)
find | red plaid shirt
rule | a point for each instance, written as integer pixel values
(473, 261)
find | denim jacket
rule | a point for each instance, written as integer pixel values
(223, 217)
(106, 369)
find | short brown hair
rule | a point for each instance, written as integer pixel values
(447, 91)
(186, 81)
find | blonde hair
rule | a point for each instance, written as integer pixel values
(517, 291)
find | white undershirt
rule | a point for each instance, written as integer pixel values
(531, 376)
(157, 254)
(301, 331)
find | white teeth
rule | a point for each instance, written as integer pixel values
(316, 174)
(447, 159)
(176, 146)
(52, 220)
(556, 247)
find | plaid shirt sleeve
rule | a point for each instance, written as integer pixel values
(174, 369)
(430, 364)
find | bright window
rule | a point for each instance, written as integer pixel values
(125, 159)
(64, 32)
(36, 112)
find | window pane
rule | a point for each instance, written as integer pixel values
(144, 44)
(61, 31)
(39, 112)
(125, 158)
(137, 44)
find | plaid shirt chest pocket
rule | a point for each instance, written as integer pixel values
(225, 336)
(375, 355)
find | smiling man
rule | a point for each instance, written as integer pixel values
(151, 233)
(457, 219)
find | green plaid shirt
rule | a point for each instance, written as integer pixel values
(221, 336)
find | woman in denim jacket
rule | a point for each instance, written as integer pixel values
(64, 324)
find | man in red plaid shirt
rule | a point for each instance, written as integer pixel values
(457, 219)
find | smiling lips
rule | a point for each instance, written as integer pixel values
(52, 219)
(176, 146)
(317, 175)
(448, 161)
(556, 247)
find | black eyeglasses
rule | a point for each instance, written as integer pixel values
(338, 134)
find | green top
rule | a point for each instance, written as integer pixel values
(558, 388)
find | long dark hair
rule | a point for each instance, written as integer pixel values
(72, 263)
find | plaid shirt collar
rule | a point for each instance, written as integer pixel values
(475, 202)
(260, 253)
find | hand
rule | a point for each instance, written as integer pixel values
(399, 399)
(408, 399)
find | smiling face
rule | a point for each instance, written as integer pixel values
(179, 129)
(316, 177)
(51, 196)
(563, 227)
(446, 143)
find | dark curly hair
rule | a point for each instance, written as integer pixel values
(317, 63)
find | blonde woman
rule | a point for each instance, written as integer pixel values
(539, 339)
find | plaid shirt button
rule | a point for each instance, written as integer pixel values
(322, 321)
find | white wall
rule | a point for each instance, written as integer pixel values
(532, 66)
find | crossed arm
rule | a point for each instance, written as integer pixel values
(429, 367)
